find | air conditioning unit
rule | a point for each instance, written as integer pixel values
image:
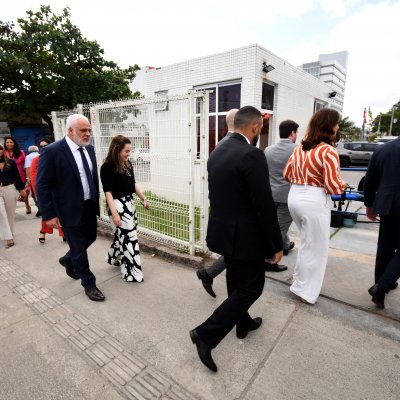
(161, 105)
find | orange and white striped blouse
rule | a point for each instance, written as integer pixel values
(316, 167)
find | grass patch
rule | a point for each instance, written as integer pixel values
(167, 217)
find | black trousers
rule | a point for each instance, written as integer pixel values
(245, 283)
(79, 238)
(387, 265)
(218, 266)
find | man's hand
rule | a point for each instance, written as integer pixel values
(277, 257)
(53, 223)
(370, 214)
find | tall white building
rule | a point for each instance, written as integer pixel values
(332, 69)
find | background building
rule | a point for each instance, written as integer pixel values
(332, 69)
(249, 75)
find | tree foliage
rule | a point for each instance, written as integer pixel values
(385, 118)
(348, 129)
(48, 65)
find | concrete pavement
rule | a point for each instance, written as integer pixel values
(57, 344)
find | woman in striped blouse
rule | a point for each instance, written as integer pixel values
(313, 169)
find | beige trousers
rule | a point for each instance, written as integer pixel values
(8, 203)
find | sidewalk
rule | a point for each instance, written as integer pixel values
(56, 344)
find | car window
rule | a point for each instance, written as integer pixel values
(369, 147)
(348, 146)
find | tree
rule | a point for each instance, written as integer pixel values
(348, 130)
(48, 65)
(385, 118)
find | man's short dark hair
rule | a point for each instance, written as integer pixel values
(286, 128)
(246, 116)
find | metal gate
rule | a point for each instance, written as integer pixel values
(169, 138)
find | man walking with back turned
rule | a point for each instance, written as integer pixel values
(243, 227)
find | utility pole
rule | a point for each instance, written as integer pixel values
(391, 122)
(379, 125)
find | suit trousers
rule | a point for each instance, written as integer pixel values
(79, 238)
(284, 220)
(245, 283)
(8, 203)
(387, 264)
(215, 269)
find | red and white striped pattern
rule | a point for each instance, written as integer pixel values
(316, 167)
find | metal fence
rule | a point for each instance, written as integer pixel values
(170, 152)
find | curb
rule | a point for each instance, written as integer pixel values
(156, 249)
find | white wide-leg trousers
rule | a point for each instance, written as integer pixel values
(310, 208)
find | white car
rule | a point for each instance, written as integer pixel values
(141, 155)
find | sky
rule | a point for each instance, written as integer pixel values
(158, 33)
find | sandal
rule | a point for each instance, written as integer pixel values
(42, 239)
(10, 243)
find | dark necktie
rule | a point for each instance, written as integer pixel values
(89, 176)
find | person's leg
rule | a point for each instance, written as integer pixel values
(245, 282)
(284, 220)
(215, 269)
(310, 208)
(79, 239)
(387, 241)
(10, 203)
(27, 206)
(5, 231)
(392, 269)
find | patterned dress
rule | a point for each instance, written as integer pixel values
(124, 250)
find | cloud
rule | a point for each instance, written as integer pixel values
(370, 36)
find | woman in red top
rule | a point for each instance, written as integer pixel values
(18, 155)
(313, 169)
(33, 173)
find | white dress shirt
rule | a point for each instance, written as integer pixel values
(78, 159)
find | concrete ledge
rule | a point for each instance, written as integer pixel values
(157, 249)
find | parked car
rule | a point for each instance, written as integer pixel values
(141, 155)
(385, 139)
(355, 153)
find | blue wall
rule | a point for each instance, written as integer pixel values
(27, 136)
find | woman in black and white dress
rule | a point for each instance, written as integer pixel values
(119, 186)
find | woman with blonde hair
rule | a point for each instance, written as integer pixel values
(313, 169)
(119, 185)
(10, 182)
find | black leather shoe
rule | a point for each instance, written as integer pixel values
(378, 295)
(254, 325)
(275, 267)
(203, 351)
(286, 251)
(394, 286)
(94, 294)
(207, 281)
(69, 269)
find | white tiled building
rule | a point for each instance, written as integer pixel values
(238, 79)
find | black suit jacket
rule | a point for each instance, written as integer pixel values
(382, 181)
(59, 186)
(243, 222)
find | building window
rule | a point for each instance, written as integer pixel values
(267, 97)
(318, 105)
(223, 98)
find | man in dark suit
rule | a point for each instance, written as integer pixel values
(382, 197)
(67, 186)
(243, 227)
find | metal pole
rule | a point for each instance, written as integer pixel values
(391, 122)
(379, 124)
